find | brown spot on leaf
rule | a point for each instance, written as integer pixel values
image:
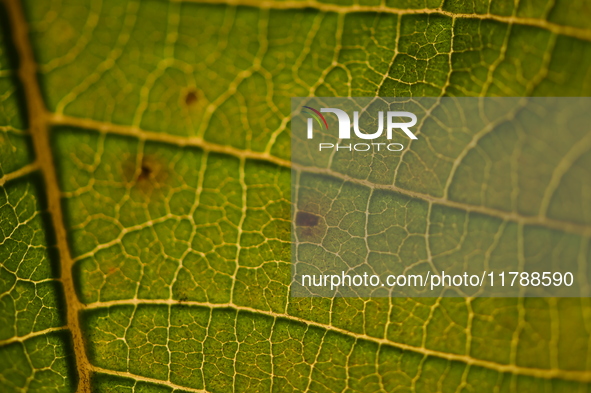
(148, 174)
(191, 98)
(305, 219)
(310, 219)
(145, 172)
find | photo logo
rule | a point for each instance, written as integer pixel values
(345, 123)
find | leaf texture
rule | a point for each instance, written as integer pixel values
(145, 193)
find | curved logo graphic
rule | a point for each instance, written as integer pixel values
(317, 116)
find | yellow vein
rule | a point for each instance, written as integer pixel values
(571, 375)
(40, 136)
(20, 339)
(571, 31)
(561, 169)
(565, 226)
(29, 168)
(181, 141)
(145, 379)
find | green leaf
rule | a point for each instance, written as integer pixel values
(145, 196)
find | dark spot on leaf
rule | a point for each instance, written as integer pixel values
(145, 171)
(191, 98)
(305, 219)
(147, 174)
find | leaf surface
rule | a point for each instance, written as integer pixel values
(169, 125)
